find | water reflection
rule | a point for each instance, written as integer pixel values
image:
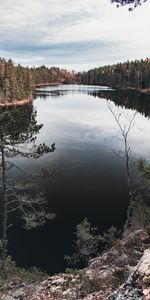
(90, 181)
(63, 90)
(128, 99)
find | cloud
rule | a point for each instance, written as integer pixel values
(60, 49)
(35, 18)
(71, 52)
(72, 32)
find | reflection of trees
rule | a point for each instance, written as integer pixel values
(60, 93)
(127, 99)
(18, 134)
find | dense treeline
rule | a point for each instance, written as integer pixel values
(134, 74)
(17, 82)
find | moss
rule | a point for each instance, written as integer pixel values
(75, 272)
(16, 274)
(119, 276)
(90, 285)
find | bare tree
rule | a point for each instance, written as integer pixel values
(125, 155)
(138, 213)
(124, 130)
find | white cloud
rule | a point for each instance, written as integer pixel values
(63, 32)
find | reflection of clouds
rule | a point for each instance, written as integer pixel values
(80, 117)
(77, 132)
(63, 90)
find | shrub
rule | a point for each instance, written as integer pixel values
(27, 276)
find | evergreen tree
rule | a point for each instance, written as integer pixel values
(18, 127)
(128, 75)
(17, 82)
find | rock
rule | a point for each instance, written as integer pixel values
(129, 295)
(16, 282)
(58, 281)
(144, 268)
(134, 287)
(7, 298)
(122, 273)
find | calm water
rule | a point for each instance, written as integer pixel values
(90, 180)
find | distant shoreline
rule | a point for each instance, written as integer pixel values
(47, 84)
(142, 91)
(15, 102)
(12, 103)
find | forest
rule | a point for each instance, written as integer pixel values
(134, 75)
(17, 82)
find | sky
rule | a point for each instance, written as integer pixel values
(73, 34)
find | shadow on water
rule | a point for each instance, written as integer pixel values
(92, 184)
(127, 99)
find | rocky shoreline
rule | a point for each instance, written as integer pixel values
(121, 273)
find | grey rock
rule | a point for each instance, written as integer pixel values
(8, 298)
(128, 294)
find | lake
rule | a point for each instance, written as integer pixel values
(89, 178)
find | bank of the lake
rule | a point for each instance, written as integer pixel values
(122, 272)
(21, 102)
(142, 91)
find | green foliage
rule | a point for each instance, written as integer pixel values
(139, 213)
(17, 82)
(131, 74)
(85, 244)
(19, 127)
(75, 272)
(111, 236)
(88, 242)
(20, 198)
(90, 285)
(148, 230)
(120, 276)
(33, 275)
(144, 169)
(139, 208)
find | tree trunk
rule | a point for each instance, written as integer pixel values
(4, 222)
